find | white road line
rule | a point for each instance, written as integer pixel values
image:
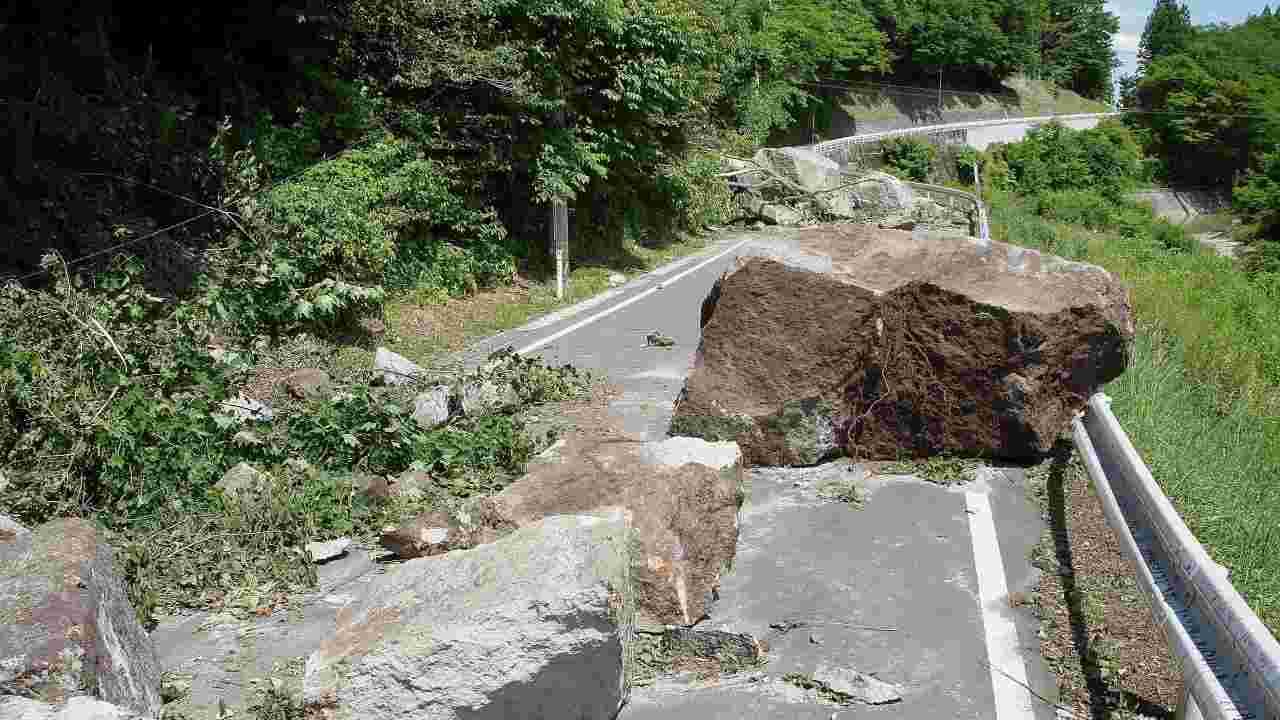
(1004, 654)
(633, 299)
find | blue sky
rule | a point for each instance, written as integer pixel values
(1133, 17)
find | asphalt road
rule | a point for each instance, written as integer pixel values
(935, 564)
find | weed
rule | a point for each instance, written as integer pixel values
(274, 702)
(941, 469)
(806, 681)
(842, 491)
(709, 654)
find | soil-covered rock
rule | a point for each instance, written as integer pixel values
(682, 495)
(882, 343)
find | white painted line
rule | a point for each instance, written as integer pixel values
(1004, 654)
(633, 299)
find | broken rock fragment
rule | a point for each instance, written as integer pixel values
(682, 495)
(68, 629)
(850, 683)
(879, 343)
(395, 369)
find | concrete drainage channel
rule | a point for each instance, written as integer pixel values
(1230, 661)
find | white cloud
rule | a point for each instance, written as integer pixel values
(1127, 41)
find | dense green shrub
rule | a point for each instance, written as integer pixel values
(1080, 207)
(1105, 159)
(909, 156)
(337, 114)
(107, 400)
(321, 248)
(965, 158)
(1259, 197)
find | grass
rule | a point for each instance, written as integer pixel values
(1214, 457)
(1199, 400)
(940, 470)
(426, 326)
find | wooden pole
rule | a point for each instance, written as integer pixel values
(560, 231)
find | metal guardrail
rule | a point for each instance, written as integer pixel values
(844, 142)
(1230, 661)
(984, 231)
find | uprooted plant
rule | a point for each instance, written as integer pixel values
(113, 407)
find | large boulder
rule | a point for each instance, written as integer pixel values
(531, 626)
(66, 626)
(883, 191)
(682, 495)
(882, 343)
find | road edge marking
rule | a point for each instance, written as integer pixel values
(1004, 652)
(538, 344)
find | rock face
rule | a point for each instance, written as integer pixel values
(682, 495)
(77, 708)
(882, 343)
(530, 626)
(66, 626)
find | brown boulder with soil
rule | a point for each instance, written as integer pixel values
(882, 343)
(681, 495)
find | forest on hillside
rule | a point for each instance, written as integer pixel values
(1209, 111)
(125, 121)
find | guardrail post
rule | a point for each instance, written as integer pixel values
(1187, 707)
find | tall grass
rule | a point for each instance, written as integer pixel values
(1216, 459)
(1201, 396)
(1225, 319)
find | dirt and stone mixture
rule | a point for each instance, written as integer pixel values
(1096, 629)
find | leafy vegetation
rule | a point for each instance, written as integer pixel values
(910, 157)
(1211, 97)
(114, 407)
(223, 180)
(941, 470)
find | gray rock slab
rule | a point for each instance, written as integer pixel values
(530, 626)
(328, 550)
(224, 654)
(66, 625)
(396, 369)
(76, 708)
(431, 408)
